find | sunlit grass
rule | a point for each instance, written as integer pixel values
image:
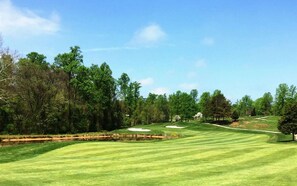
(204, 155)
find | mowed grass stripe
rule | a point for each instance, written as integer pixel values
(223, 140)
(121, 152)
(273, 178)
(137, 158)
(212, 159)
(220, 137)
(201, 158)
(254, 169)
(83, 151)
(209, 158)
(201, 171)
(118, 153)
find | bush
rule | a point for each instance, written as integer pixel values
(235, 115)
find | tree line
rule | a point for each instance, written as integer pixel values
(267, 105)
(66, 96)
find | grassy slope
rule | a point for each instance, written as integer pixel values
(206, 155)
(261, 123)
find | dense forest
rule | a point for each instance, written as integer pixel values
(65, 96)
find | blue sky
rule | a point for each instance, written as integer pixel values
(240, 47)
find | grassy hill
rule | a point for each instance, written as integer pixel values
(204, 155)
(261, 123)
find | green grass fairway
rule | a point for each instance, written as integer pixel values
(205, 155)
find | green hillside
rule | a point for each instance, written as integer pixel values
(257, 122)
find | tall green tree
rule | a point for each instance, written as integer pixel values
(204, 103)
(97, 88)
(133, 94)
(107, 87)
(174, 104)
(123, 86)
(182, 104)
(292, 92)
(194, 94)
(162, 105)
(288, 122)
(66, 97)
(70, 62)
(258, 106)
(36, 88)
(246, 105)
(220, 107)
(38, 59)
(235, 115)
(282, 94)
(263, 105)
(141, 113)
(151, 110)
(155, 108)
(188, 106)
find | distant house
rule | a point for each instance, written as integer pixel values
(199, 115)
(176, 118)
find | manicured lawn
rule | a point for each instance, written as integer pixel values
(25, 151)
(204, 155)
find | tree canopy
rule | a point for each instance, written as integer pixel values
(65, 96)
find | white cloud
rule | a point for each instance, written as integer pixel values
(208, 41)
(160, 90)
(192, 75)
(148, 35)
(145, 37)
(17, 21)
(188, 86)
(146, 81)
(200, 63)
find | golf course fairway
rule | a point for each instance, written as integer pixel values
(203, 155)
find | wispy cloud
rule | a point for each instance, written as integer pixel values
(160, 90)
(208, 41)
(146, 81)
(149, 35)
(145, 37)
(109, 49)
(192, 75)
(200, 63)
(188, 86)
(16, 21)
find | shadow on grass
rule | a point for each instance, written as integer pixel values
(221, 122)
(26, 151)
(287, 141)
(282, 138)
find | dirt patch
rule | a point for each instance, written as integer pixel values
(261, 126)
(235, 124)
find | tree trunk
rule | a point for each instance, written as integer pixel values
(293, 136)
(69, 106)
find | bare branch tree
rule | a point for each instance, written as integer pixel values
(7, 61)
